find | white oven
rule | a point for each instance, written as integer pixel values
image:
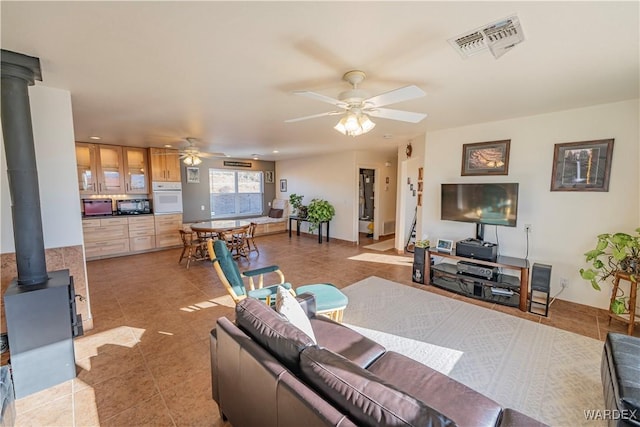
(167, 197)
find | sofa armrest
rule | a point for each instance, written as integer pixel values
(308, 303)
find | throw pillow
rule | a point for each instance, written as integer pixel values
(276, 213)
(367, 399)
(288, 306)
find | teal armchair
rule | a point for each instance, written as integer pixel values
(233, 280)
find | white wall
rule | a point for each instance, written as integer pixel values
(564, 224)
(52, 122)
(334, 177)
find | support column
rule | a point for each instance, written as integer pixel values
(18, 72)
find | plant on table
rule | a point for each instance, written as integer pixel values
(295, 200)
(423, 243)
(318, 211)
(617, 252)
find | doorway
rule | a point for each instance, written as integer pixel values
(366, 203)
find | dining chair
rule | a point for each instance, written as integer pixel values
(232, 279)
(192, 247)
(250, 243)
(236, 241)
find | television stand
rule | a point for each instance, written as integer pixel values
(501, 288)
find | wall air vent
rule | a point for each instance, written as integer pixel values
(497, 37)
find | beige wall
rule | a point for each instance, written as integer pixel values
(334, 177)
(564, 224)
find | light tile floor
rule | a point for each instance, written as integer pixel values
(146, 362)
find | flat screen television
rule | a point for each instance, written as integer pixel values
(491, 203)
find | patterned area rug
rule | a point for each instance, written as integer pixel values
(547, 373)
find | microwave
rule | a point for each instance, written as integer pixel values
(133, 207)
(97, 207)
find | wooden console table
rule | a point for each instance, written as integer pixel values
(298, 220)
(502, 281)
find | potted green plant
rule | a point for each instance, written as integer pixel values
(295, 200)
(318, 211)
(618, 252)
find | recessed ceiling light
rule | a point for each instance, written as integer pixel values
(95, 137)
(275, 151)
(167, 145)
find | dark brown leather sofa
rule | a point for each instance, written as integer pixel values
(266, 372)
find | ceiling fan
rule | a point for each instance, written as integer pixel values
(191, 155)
(357, 106)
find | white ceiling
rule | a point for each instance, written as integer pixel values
(151, 73)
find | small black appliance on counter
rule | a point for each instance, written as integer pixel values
(133, 207)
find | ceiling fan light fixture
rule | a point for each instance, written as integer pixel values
(353, 124)
(192, 160)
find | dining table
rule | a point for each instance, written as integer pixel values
(232, 230)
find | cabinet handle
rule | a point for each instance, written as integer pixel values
(126, 186)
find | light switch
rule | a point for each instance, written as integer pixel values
(201, 207)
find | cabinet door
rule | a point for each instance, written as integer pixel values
(157, 157)
(172, 163)
(136, 170)
(165, 164)
(87, 165)
(111, 170)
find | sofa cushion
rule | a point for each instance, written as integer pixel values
(289, 307)
(468, 408)
(361, 395)
(275, 213)
(345, 341)
(272, 331)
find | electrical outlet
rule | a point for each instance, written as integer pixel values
(201, 207)
(527, 228)
(564, 282)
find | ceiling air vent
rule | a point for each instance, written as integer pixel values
(498, 37)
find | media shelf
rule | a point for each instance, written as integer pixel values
(503, 288)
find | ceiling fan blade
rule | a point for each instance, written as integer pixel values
(388, 113)
(323, 98)
(211, 155)
(329, 113)
(398, 95)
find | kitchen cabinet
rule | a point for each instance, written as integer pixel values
(100, 169)
(141, 233)
(136, 170)
(165, 164)
(105, 237)
(166, 227)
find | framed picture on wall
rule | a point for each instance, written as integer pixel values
(486, 158)
(283, 185)
(582, 166)
(268, 177)
(193, 175)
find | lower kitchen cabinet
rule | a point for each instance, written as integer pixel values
(105, 237)
(117, 236)
(167, 230)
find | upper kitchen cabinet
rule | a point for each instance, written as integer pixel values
(87, 162)
(111, 178)
(100, 169)
(111, 169)
(165, 164)
(136, 170)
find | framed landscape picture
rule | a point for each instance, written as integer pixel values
(486, 158)
(582, 166)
